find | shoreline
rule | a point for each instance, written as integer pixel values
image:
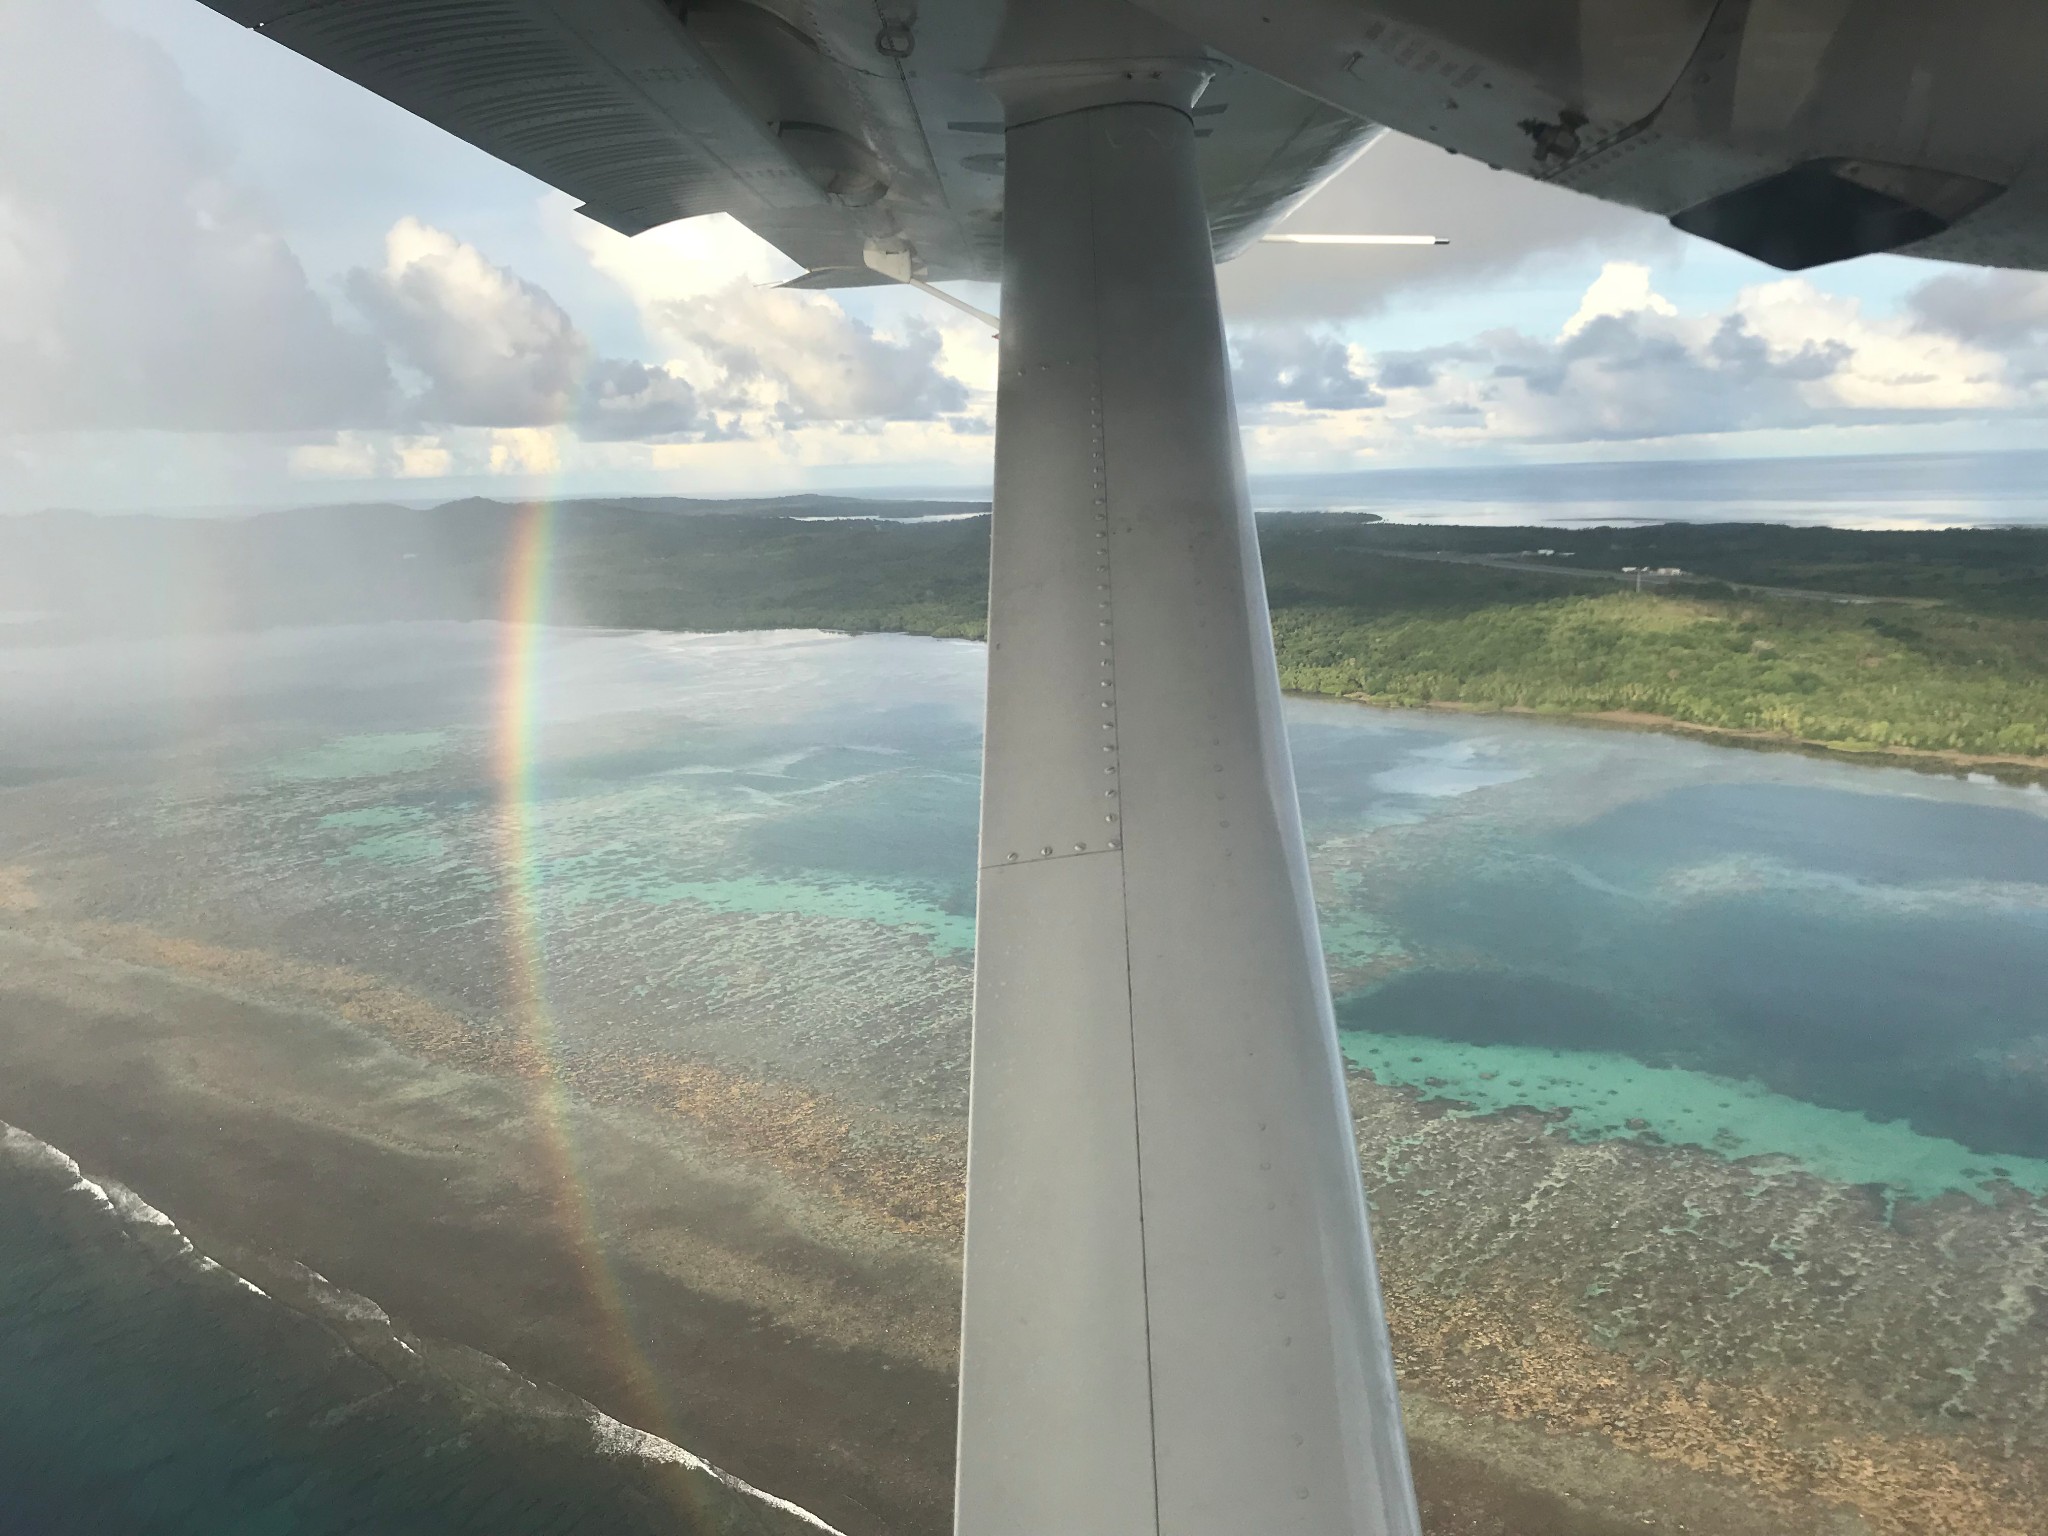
(769, 1317)
(2017, 769)
(442, 1423)
(673, 1288)
(2013, 768)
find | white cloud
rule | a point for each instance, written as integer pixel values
(1984, 306)
(140, 286)
(1301, 365)
(774, 358)
(1631, 366)
(372, 456)
(160, 339)
(1622, 288)
(493, 350)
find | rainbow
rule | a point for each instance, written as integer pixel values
(516, 758)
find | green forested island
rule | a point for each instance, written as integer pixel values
(1931, 642)
(1916, 642)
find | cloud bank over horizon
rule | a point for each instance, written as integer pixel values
(163, 339)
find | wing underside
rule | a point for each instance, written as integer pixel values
(825, 138)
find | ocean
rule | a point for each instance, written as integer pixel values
(1875, 491)
(148, 1388)
(758, 850)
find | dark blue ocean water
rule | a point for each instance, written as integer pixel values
(145, 1389)
(1906, 490)
(1924, 490)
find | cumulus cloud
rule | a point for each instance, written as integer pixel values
(630, 402)
(1629, 365)
(496, 351)
(806, 360)
(140, 286)
(1984, 306)
(778, 357)
(157, 329)
(143, 286)
(2003, 311)
(1300, 365)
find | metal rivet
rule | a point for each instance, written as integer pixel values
(1080, 847)
(1013, 858)
(1114, 843)
(1110, 819)
(1047, 850)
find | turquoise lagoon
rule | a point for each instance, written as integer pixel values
(763, 845)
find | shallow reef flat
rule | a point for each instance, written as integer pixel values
(1609, 1331)
(1699, 1093)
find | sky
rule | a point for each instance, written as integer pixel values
(229, 278)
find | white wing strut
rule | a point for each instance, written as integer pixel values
(1172, 1321)
(895, 263)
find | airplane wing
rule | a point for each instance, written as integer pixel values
(1800, 132)
(827, 138)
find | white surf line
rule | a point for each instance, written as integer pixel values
(117, 1199)
(621, 1439)
(612, 1436)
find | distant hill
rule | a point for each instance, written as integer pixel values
(1905, 642)
(636, 562)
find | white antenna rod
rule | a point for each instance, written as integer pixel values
(1354, 240)
(944, 297)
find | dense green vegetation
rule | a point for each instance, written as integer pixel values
(1931, 682)
(1961, 672)
(734, 573)
(1988, 570)
(1953, 659)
